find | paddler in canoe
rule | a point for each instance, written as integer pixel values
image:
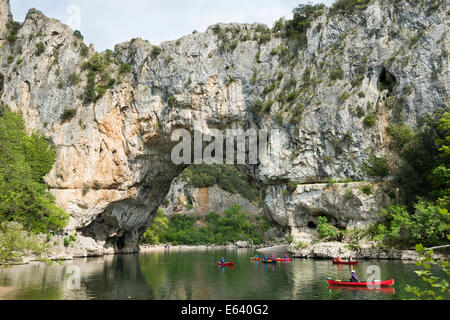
(353, 277)
(222, 261)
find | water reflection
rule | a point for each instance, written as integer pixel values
(196, 275)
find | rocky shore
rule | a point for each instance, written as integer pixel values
(367, 250)
(81, 247)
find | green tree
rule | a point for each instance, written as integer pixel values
(437, 288)
(157, 229)
(24, 161)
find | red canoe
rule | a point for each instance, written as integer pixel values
(255, 259)
(226, 264)
(345, 262)
(283, 260)
(386, 283)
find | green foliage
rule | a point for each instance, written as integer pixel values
(425, 151)
(84, 50)
(124, 68)
(428, 225)
(68, 114)
(348, 6)
(25, 160)
(172, 102)
(360, 112)
(78, 34)
(378, 167)
(68, 240)
(86, 190)
(156, 51)
(303, 16)
(13, 28)
(157, 229)
(40, 48)
(99, 78)
(326, 230)
(370, 120)
(227, 177)
(437, 288)
(367, 190)
(291, 187)
(235, 225)
(74, 79)
(348, 195)
(337, 74)
(16, 243)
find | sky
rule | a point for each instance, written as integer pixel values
(108, 22)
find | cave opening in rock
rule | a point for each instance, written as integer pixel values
(312, 225)
(386, 80)
(2, 81)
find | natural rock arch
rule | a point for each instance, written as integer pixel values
(113, 167)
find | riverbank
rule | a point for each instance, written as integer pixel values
(168, 247)
(364, 250)
(84, 247)
(321, 250)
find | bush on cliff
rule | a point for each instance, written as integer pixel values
(24, 161)
(327, 231)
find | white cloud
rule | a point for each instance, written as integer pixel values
(107, 22)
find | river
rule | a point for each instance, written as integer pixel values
(194, 275)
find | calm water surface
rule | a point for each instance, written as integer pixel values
(194, 275)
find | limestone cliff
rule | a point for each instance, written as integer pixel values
(185, 199)
(113, 137)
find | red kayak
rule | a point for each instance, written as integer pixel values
(386, 283)
(345, 262)
(226, 264)
(255, 259)
(283, 260)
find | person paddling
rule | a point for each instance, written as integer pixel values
(353, 277)
(222, 261)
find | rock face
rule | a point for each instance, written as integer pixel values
(114, 168)
(5, 16)
(188, 200)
